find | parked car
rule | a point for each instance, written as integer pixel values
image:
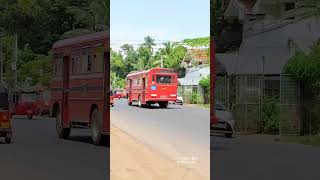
(225, 124)
(5, 124)
(179, 100)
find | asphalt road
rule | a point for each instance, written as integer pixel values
(180, 133)
(259, 157)
(36, 153)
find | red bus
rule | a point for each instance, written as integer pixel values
(213, 118)
(80, 85)
(158, 85)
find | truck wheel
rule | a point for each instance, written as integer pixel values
(62, 132)
(96, 127)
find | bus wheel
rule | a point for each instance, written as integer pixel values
(62, 132)
(163, 104)
(140, 102)
(96, 127)
(7, 140)
(29, 116)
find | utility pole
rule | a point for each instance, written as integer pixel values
(1, 59)
(161, 62)
(15, 59)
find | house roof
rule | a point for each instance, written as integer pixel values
(268, 52)
(236, 6)
(196, 54)
(247, 4)
(82, 39)
(193, 76)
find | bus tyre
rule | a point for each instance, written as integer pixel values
(129, 102)
(163, 104)
(7, 140)
(29, 116)
(62, 132)
(96, 127)
(140, 102)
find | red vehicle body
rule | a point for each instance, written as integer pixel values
(80, 85)
(119, 94)
(5, 124)
(26, 103)
(213, 118)
(43, 100)
(111, 99)
(158, 85)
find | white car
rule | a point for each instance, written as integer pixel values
(226, 123)
(179, 100)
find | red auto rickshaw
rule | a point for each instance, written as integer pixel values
(5, 120)
(25, 103)
(44, 101)
(111, 99)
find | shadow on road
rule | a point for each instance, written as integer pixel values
(218, 143)
(156, 107)
(88, 140)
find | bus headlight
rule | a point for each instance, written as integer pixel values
(153, 95)
(173, 95)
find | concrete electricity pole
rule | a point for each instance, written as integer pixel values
(15, 59)
(1, 59)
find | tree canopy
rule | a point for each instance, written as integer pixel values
(40, 23)
(145, 57)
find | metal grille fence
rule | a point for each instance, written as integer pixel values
(246, 95)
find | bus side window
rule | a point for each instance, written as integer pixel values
(152, 79)
(89, 67)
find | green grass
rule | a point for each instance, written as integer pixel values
(306, 140)
(204, 105)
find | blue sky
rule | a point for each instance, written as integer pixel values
(175, 20)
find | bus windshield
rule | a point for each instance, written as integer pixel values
(28, 97)
(164, 79)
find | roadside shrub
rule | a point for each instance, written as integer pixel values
(200, 99)
(194, 98)
(270, 115)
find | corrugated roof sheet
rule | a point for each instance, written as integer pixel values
(193, 76)
(82, 39)
(268, 52)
